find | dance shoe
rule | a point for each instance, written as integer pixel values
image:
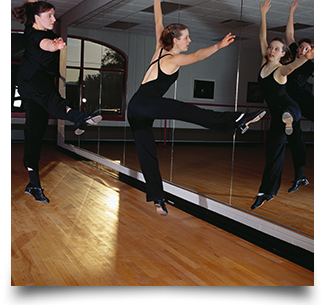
(287, 119)
(37, 192)
(161, 207)
(297, 183)
(83, 121)
(249, 118)
(260, 200)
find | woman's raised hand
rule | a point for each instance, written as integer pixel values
(294, 6)
(264, 7)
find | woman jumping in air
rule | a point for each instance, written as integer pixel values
(285, 112)
(148, 103)
(298, 87)
(36, 86)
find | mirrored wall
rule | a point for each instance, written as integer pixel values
(107, 56)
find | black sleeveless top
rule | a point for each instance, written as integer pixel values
(274, 93)
(162, 83)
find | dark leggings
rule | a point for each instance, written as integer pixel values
(143, 109)
(41, 89)
(275, 149)
(305, 100)
(40, 98)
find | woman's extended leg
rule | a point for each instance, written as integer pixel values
(42, 90)
(165, 108)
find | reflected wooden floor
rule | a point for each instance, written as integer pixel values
(98, 231)
(207, 169)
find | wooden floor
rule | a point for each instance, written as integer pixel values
(98, 231)
(207, 169)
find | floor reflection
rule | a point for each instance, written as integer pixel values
(206, 168)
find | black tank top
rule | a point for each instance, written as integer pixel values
(274, 93)
(162, 83)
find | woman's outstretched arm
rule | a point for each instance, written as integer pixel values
(287, 69)
(52, 45)
(184, 59)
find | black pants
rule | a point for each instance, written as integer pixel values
(305, 100)
(34, 130)
(144, 109)
(275, 149)
(41, 89)
(40, 98)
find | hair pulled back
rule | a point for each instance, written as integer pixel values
(288, 55)
(26, 13)
(170, 32)
(306, 40)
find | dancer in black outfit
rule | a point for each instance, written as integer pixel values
(148, 103)
(298, 87)
(285, 112)
(36, 76)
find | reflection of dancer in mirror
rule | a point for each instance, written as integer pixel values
(147, 104)
(36, 86)
(297, 85)
(285, 112)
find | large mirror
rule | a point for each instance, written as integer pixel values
(109, 50)
(296, 209)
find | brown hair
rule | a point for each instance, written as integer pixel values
(26, 13)
(307, 40)
(288, 55)
(170, 32)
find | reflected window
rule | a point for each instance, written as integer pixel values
(74, 52)
(96, 77)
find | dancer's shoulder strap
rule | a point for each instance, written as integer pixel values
(160, 57)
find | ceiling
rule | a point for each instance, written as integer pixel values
(207, 20)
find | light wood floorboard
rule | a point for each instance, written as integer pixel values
(98, 231)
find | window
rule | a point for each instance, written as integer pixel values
(96, 78)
